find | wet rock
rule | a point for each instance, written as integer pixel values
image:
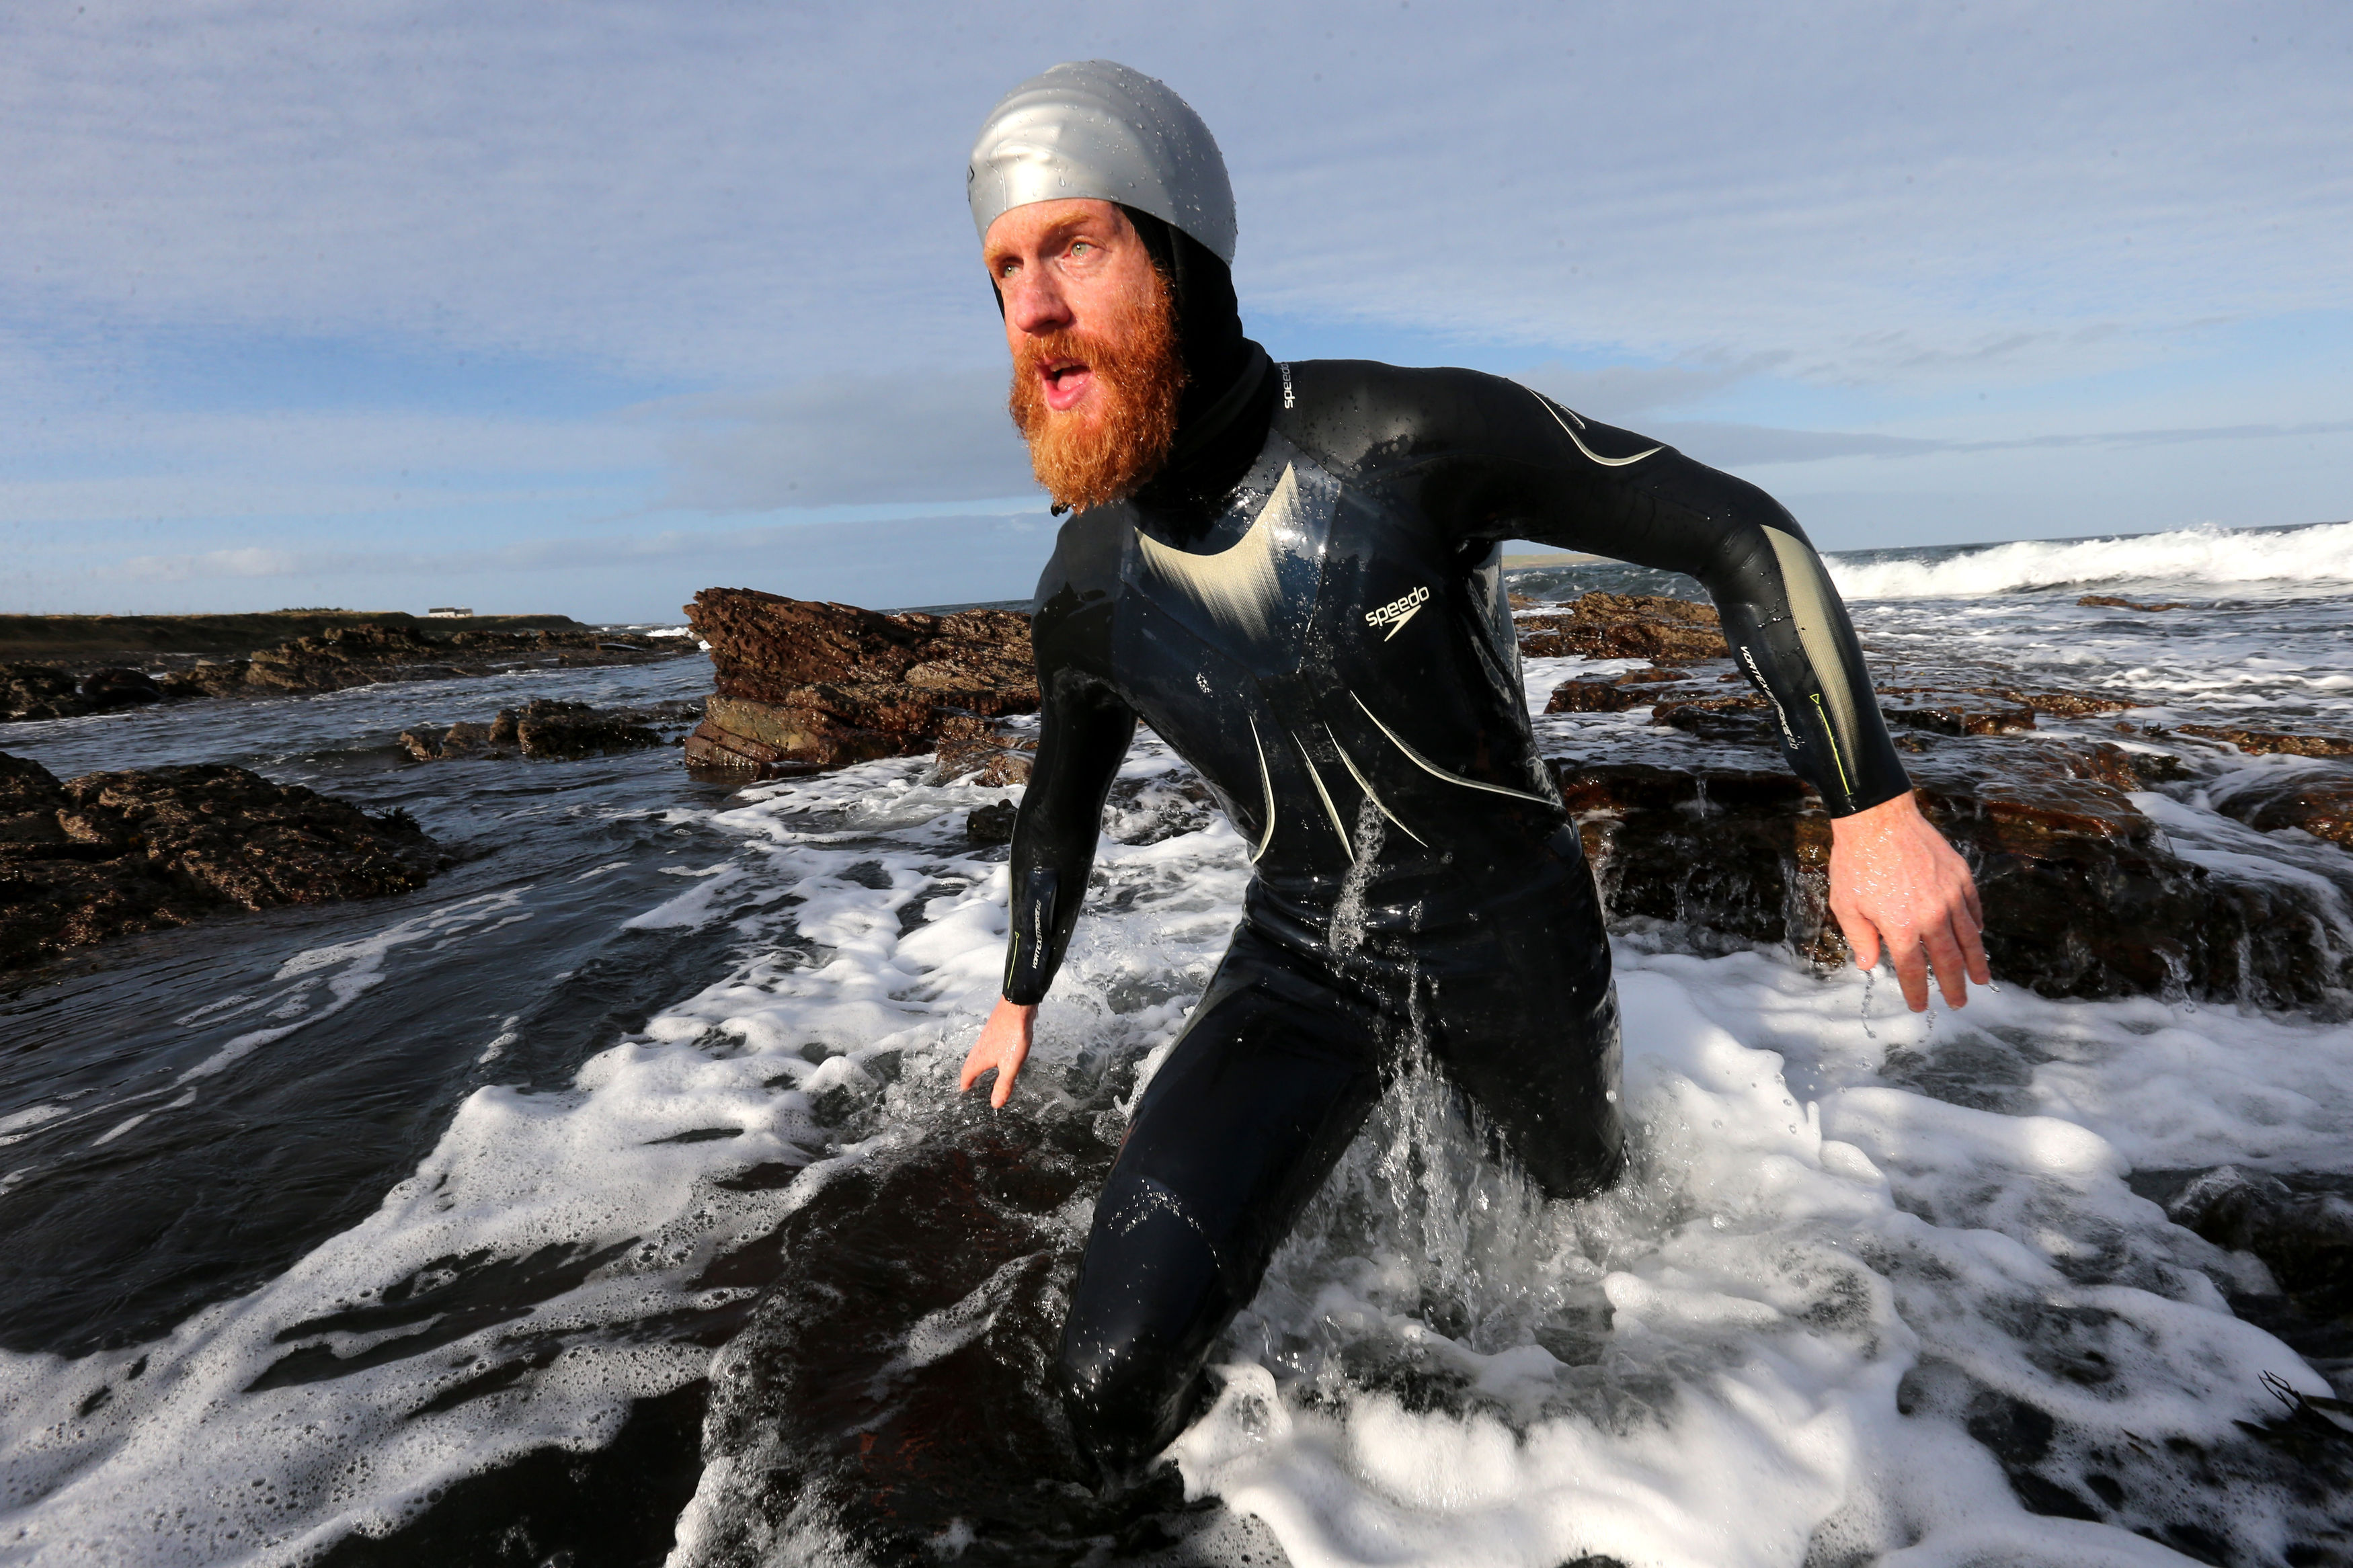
(2082, 896)
(766, 646)
(1947, 711)
(37, 691)
(2124, 768)
(2061, 704)
(348, 656)
(2302, 1228)
(1587, 695)
(806, 685)
(902, 1350)
(1626, 626)
(1937, 710)
(207, 679)
(819, 729)
(990, 753)
(2110, 602)
(991, 824)
(547, 727)
(30, 799)
(550, 730)
(1616, 693)
(1735, 719)
(107, 690)
(466, 738)
(1610, 631)
(2320, 803)
(111, 853)
(470, 738)
(558, 640)
(2271, 742)
(1736, 854)
(2085, 898)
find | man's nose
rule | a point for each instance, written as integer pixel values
(1037, 307)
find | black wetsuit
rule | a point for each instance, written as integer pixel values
(1308, 606)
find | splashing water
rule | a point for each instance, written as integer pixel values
(1851, 1303)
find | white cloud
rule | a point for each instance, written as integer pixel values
(913, 438)
(1874, 192)
(1715, 223)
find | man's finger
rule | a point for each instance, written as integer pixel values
(1911, 972)
(1009, 1067)
(976, 1061)
(1945, 957)
(1861, 937)
(1973, 952)
(1969, 897)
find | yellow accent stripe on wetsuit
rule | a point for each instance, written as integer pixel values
(1433, 770)
(1810, 599)
(1266, 782)
(1366, 784)
(1589, 452)
(1324, 795)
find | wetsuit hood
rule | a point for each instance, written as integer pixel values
(1095, 128)
(1221, 418)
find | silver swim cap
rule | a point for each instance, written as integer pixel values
(1093, 128)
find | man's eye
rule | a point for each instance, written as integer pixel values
(1081, 246)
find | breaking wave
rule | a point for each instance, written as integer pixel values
(2200, 560)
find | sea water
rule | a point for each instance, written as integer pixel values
(324, 1226)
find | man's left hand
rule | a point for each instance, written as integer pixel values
(1894, 881)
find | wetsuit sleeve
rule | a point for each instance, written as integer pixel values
(1083, 735)
(1554, 477)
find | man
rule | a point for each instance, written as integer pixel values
(1290, 572)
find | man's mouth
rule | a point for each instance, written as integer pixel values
(1066, 382)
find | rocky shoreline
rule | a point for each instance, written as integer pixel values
(336, 659)
(2086, 893)
(2059, 799)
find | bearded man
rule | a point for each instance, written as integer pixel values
(1290, 572)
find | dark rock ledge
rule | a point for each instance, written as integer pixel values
(109, 854)
(548, 729)
(804, 686)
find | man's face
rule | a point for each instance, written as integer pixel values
(1096, 371)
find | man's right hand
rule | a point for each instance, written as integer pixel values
(1004, 1044)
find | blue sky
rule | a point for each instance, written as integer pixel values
(582, 307)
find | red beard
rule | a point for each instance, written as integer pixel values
(1121, 435)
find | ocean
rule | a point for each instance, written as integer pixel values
(609, 1201)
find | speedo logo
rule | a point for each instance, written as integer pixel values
(1398, 611)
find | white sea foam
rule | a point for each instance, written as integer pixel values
(2208, 563)
(1764, 1349)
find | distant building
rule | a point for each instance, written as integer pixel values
(449, 614)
